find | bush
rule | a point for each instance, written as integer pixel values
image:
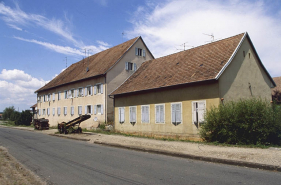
(251, 121)
(8, 112)
(24, 118)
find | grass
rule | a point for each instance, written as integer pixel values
(12, 124)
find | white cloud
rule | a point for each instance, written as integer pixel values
(17, 88)
(168, 25)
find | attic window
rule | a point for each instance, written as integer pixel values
(131, 66)
(201, 65)
(140, 52)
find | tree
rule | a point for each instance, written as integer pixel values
(276, 97)
(8, 112)
(24, 118)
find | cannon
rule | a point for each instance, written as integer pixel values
(41, 124)
(73, 125)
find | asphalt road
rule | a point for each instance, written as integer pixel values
(63, 161)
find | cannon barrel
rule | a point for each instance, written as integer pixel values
(69, 126)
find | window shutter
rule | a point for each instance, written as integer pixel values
(120, 117)
(173, 113)
(178, 113)
(135, 66)
(86, 91)
(123, 114)
(101, 88)
(136, 50)
(95, 90)
(157, 115)
(95, 109)
(201, 111)
(143, 53)
(147, 114)
(91, 90)
(127, 66)
(101, 109)
(161, 113)
(86, 109)
(142, 113)
(91, 109)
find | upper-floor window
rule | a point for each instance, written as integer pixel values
(80, 92)
(131, 66)
(49, 97)
(140, 52)
(59, 96)
(39, 98)
(98, 89)
(54, 96)
(88, 90)
(71, 93)
(44, 98)
(65, 94)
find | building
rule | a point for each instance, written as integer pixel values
(83, 87)
(169, 96)
(276, 91)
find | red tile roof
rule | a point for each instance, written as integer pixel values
(98, 65)
(197, 64)
(34, 106)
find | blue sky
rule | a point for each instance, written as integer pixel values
(37, 36)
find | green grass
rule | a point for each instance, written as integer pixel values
(12, 124)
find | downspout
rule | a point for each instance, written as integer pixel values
(112, 97)
(105, 99)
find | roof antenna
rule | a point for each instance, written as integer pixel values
(88, 59)
(184, 45)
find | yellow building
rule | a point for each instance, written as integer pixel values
(169, 96)
(83, 87)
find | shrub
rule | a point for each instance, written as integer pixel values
(251, 121)
(7, 113)
(24, 118)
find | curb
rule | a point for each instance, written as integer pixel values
(79, 139)
(201, 158)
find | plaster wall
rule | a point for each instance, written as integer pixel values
(185, 95)
(79, 101)
(245, 77)
(118, 74)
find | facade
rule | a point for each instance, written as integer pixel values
(169, 96)
(83, 87)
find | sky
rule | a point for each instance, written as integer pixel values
(39, 39)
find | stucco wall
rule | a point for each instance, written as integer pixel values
(244, 77)
(185, 95)
(118, 74)
(79, 101)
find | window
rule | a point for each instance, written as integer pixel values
(71, 93)
(48, 111)
(58, 111)
(79, 110)
(198, 112)
(80, 92)
(38, 98)
(49, 97)
(65, 111)
(160, 113)
(133, 114)
(176, 113)
(72, 111)
(89, 109)
(54, 96)
(65, 94)
(44, 111)
(131, 66)
(98, 89)
(98, 109)
(44, 98)
(54, 110)
(121, 114)
(59, 97)
(39, 112)
(88, 90)
(140, 52)
(145, 113)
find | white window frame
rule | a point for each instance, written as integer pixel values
(87, 91)
(193, 109)
(72, 93)
(54, 96)
(119, 113)
(54, 111)
(72, 110)
(39, 112)
(48, 111)
(44, 112)
(65, 111)
(98, 89)
(87, 109)
(130, 114)
(148, 114)
(59, 95)
(172, 113)
(80, 94)
(80, 107)
(162, 104)
(39, 99)
(130, 66)
(66, 94)
(44, 98)
(59, 111)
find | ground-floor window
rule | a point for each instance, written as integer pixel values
(198, 112)
(145, 113)
(72, 110)
(65, 111)
(89, 109)
(44, 111)
(58, 111)
(176, 113)
(121, 113)
(48, 111)
(79, 110)
(160, 113)
(133, 114)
